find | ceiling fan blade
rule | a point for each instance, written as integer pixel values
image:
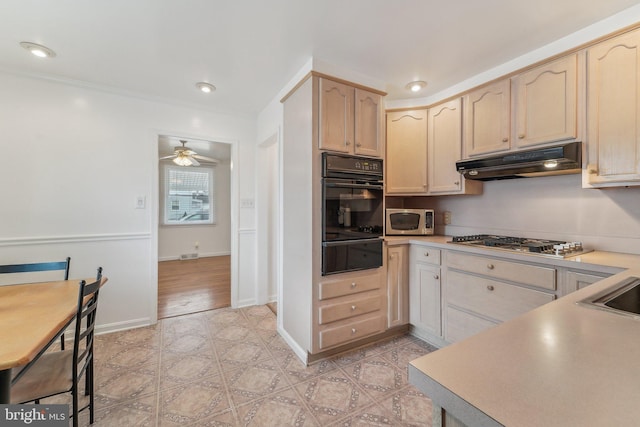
(194, 162)
(205, 158)
(168, 157)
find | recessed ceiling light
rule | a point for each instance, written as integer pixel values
(205, 87)
(416, 86)
(38, 50)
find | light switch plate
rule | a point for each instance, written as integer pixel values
(141, 202)
(247, 203)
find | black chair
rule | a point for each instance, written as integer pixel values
(60, 372)
(40, 266)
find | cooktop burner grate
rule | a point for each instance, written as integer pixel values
(550, 248)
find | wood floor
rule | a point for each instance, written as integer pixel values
(193, 285)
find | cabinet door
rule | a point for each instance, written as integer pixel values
(445, 147)
(546, 103)
(613, 112)
(336, 116)
(398, 285)
(368, 124)
(406, 152)
(576, 280)
(424, 297)
(487, 119)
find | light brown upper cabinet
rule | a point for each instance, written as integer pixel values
(445, 149)
(406, 160)
(546, 103)
(487, 119)
(350, 119)
(613, 112)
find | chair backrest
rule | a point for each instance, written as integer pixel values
(38, 266)
(87, 307)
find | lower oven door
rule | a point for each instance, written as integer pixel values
(351, 255)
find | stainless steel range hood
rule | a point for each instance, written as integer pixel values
(557, 160)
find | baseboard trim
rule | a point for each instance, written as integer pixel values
(123, 326)
(299, 351)
(204, 255)
(427, 336)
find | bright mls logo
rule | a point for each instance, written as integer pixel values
(34, 415)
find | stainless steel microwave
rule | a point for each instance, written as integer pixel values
(409, 221)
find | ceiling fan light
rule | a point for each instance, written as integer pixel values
(182, 161)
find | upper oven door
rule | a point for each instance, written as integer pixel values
(351, 209)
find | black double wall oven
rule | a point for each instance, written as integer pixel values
(352, 213)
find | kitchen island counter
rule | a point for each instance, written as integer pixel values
(560, 364)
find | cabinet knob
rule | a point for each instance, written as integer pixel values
(353, 307)
(457, 183)
(505, 139)
(426, 254)
(347, 143)
(436, 277)
(358, 145)
(353, 285)
(521, 136)
(353, 330)
(490, 266)
(392, 256)
(490, 287)
(592, 169)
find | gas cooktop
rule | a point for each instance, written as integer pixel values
(542, 247)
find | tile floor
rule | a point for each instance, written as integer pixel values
(230, 367)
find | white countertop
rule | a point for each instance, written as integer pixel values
(561, 364)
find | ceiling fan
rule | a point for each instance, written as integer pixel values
(185, 156)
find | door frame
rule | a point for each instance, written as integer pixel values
(154, 205)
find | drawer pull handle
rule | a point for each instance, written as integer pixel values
(490, 287)
(436, 277)
(456, 183)
(521, 136)
(505, 139)
(490, 266)
(353, 307)
(353, 330)
(353, 285)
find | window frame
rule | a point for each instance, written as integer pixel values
(167, 201)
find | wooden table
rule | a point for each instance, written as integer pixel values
(32, 315)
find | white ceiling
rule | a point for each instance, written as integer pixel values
(250, 49)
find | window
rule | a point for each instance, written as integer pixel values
(189, 196)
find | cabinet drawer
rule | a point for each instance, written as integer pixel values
(352, 285)
(491, 298)
(342, 334)
(332, 312)
(542, 277)
(461, 325)
(425, 254)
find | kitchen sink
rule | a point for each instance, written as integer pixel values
(622, 298)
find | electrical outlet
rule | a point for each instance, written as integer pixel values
(446, 217)
(197, 244)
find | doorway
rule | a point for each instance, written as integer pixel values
(194, 228)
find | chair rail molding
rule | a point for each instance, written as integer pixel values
(43, 240)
